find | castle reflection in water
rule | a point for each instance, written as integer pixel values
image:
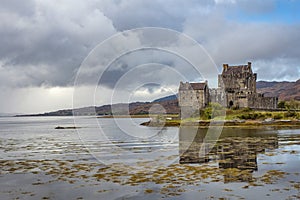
(236, 148)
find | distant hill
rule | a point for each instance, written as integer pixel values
(284, 90)
(169, 103)
(167, 98)
(8, 114)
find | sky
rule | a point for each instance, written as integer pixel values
(47, 48)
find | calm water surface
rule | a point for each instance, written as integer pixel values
(118, 159)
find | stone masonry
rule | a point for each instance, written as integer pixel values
(236, 89)
(192, 98)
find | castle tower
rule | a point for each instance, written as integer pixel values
(192, 97)
(236, 89)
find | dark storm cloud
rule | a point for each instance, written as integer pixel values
(43, 42)
(221, 28)
(134, 64)
(128, 14)
(150, 87)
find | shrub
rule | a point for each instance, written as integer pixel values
(252, 116)
(294, 105)
(255, 116)
(243, 116)
(246, 109)
(290, 114)
(281, 104)
(213, 110)
(206, 113)
(235, 108)
(278, 116)
(269, 114)
(246, 116)
(229, 112)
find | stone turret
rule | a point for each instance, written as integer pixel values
(236, 88)
(225, 67)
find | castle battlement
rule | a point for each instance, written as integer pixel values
(236, 89)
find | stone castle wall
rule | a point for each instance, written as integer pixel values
(217, 96)
(236, 88)
(192, 97)
(193, 94)
(261, 102)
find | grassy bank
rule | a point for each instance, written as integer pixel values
(247, 114)
(243, 117)
(228, 123)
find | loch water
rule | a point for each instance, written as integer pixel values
(119, 159)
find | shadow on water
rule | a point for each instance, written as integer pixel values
(235, 149)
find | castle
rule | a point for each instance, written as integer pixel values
(236, 89)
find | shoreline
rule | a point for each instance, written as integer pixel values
(227, 123)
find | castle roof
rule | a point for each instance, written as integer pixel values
(198, 86)
(192, 86)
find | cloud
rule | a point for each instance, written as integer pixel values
(277, 69)
(130, 14)
(16, 7)
(48, 40)
(48, 43)
(152, 65)
(256, 6)
(270, 46)
(43, 43)
(35, 99)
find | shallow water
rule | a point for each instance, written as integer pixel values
(108, 159)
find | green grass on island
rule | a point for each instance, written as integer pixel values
(290, 116)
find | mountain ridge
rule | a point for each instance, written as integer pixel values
(285, 90)
(169, 104)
